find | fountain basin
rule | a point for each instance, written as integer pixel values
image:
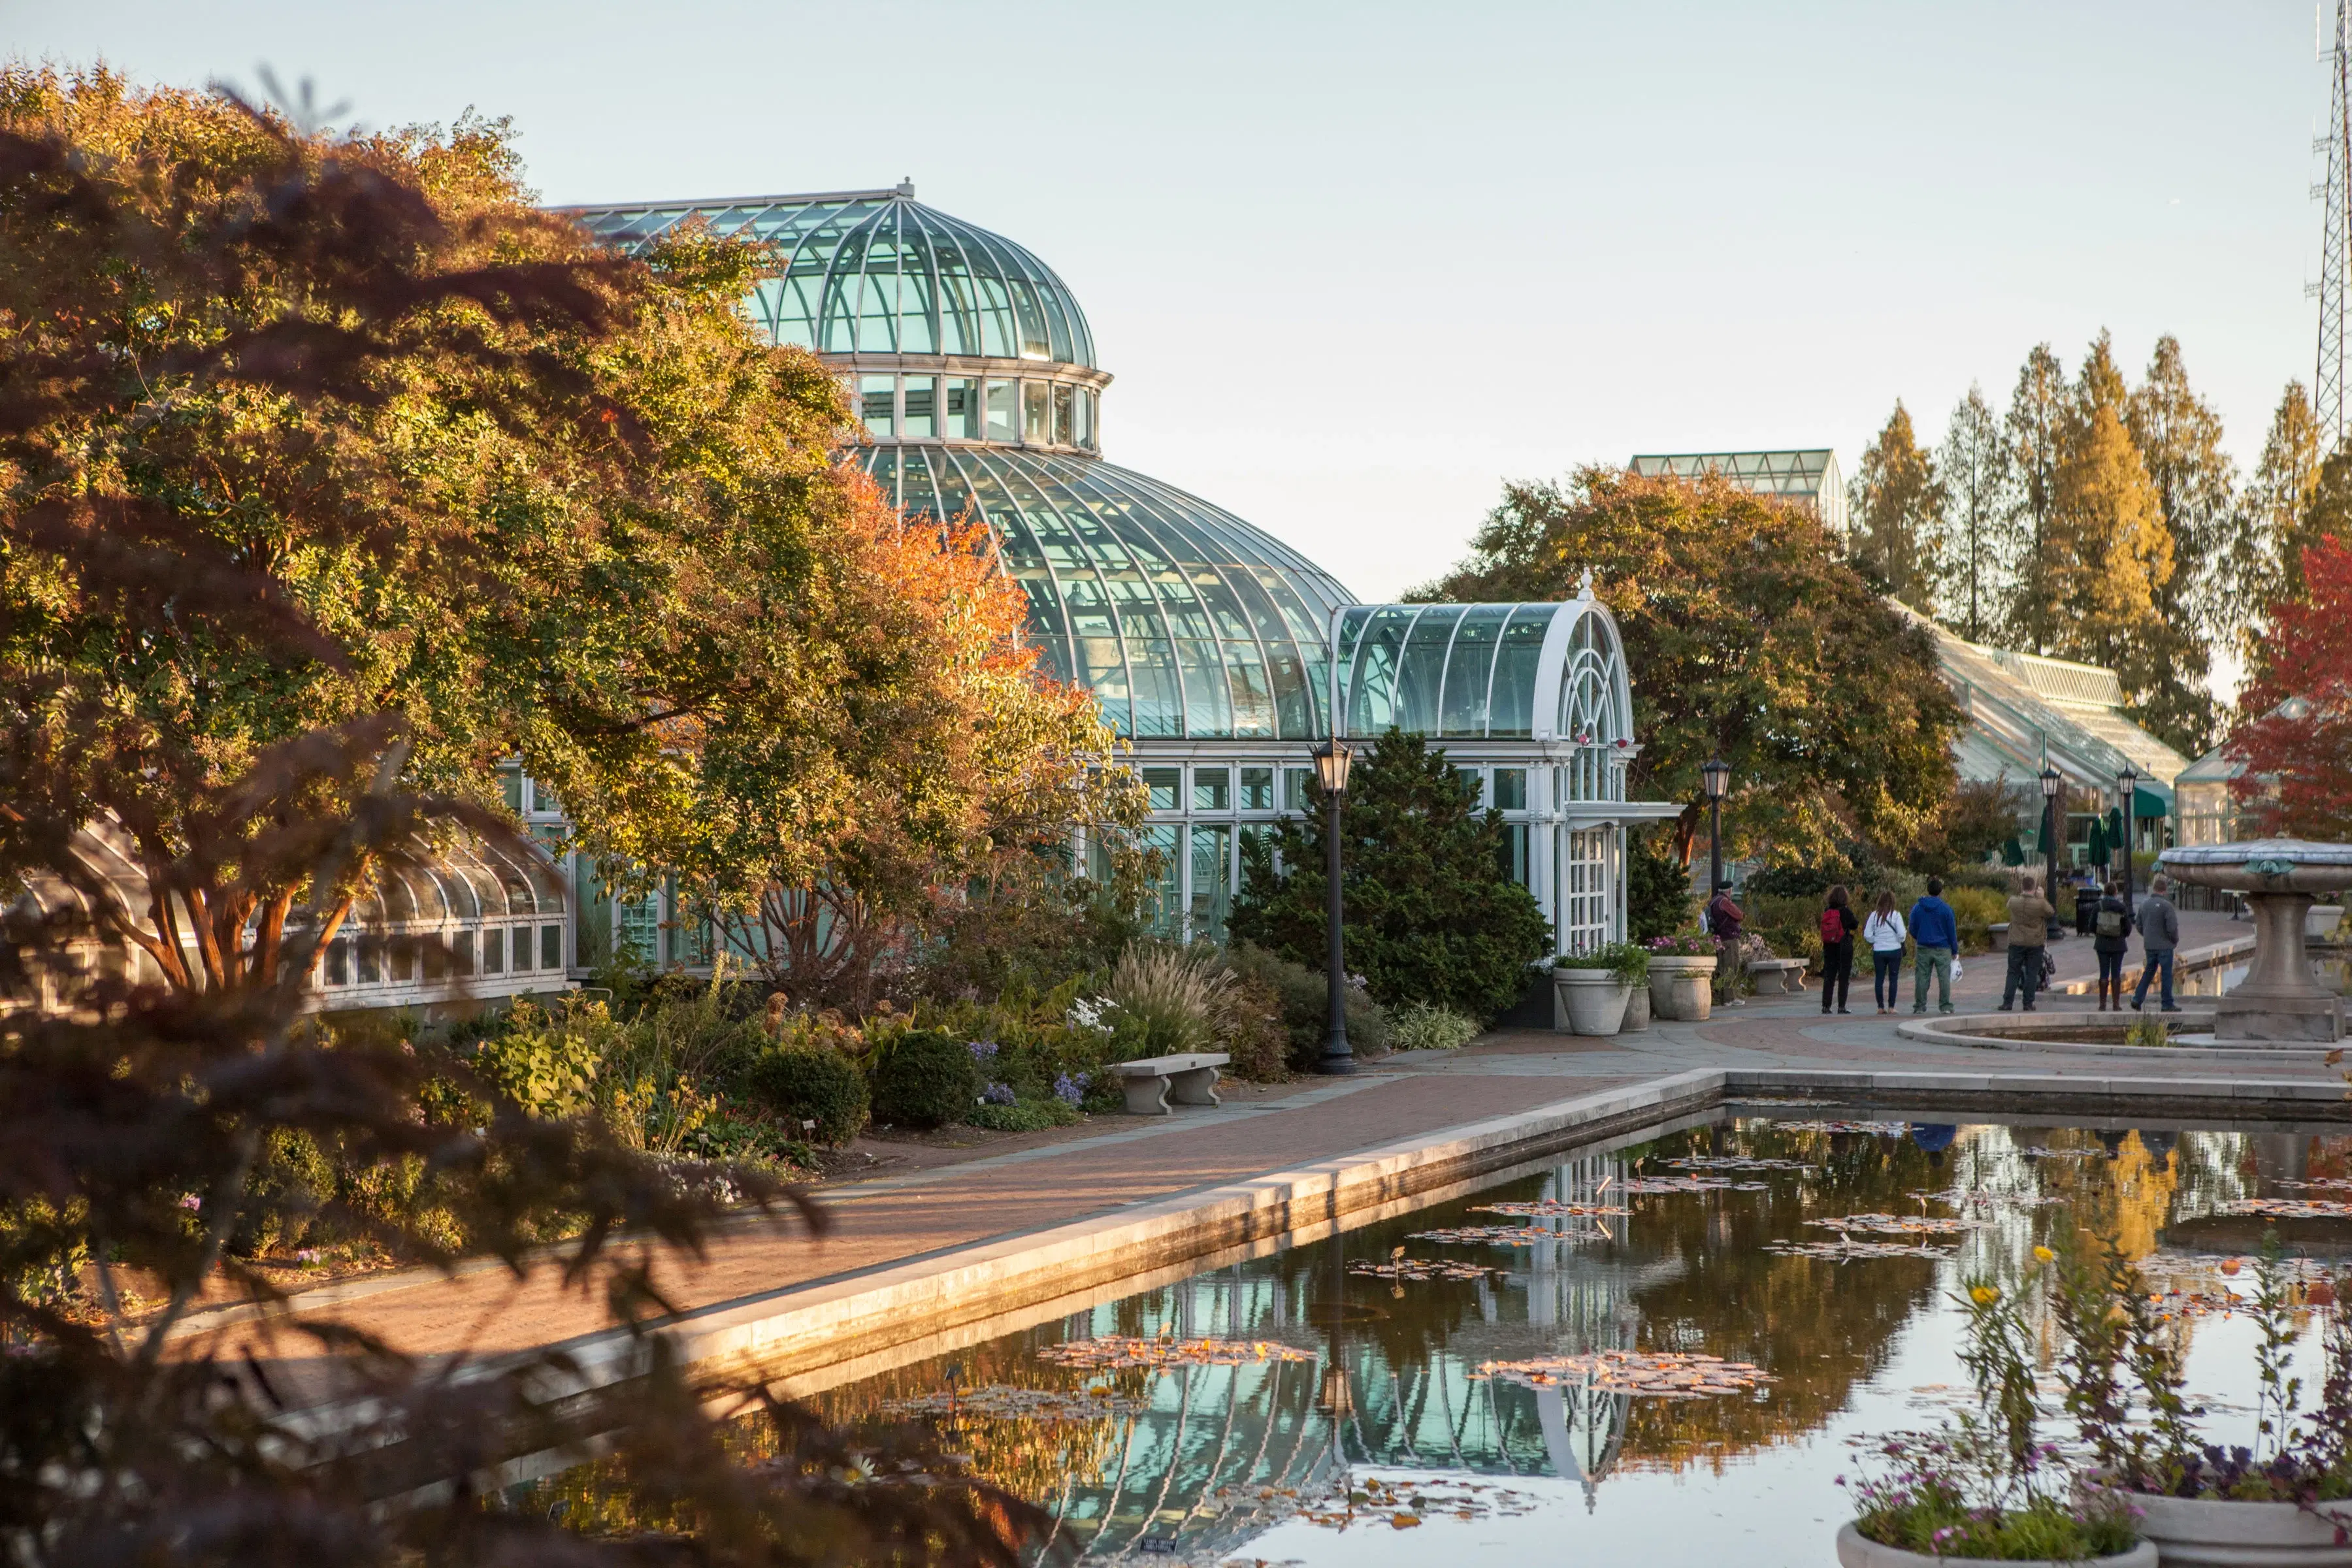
(2279, 1001)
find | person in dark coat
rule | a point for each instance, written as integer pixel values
(2111, 929)
(1837, 954)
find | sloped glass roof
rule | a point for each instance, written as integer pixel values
(879, 272)
(1535, 671)
(1180, 618)
(1792, 473)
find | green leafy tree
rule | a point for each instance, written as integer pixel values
(1431, 915)
(2269, 519)
(2035, 427)
(1750, 637)
(1974, 464)
(1897, 506)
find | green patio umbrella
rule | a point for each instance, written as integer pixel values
(2012, 853)
(2098, 853)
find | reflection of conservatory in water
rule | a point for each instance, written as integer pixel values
(1207, 642)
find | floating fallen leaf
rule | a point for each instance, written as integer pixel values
(1845, 1249)
(1874, 1129)
(1128, 1350)
(1738, 1163)
(1000, 1402)
(1662, 1374)
(1504, 1236)
(1550, 1208)
(1650, 1185)
(1899, 1224)
(2289, 1208)
(1422, 1268)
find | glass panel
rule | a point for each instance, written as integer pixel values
(1065, 419)
(1164, 784)
(550, 946)
(403, 958)
(1036, 411)
(371, 954)
(963, 409)
(1165, 913)
(1423, 668)
(1258, 789)
(876, 394)
(339, 961)
(494, 951)
(1511, 710)
(510, 781)
(1467, 670)
(1258, 851)
(543, 798)
(1086, 419)
(1212, 882)
(1294, 787)
(1473, 786)
(640, 932)
(436, 958)
(1213, 789)
(1514, 852)
(921, 407)
(1003, 410)
(520, 943)
(1511, 789)
(461, 954)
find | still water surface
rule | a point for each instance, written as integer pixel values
(1210, 1463)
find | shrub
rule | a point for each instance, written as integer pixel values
(925, 1079)
(1977, 909)
(1169, 1000)
(1432, 914)
(1657, 885)
(547, 1060)
(1425, 1026)
(1305, 1003)
(1251, 1030)
(1024, 1116)
(798, 1087)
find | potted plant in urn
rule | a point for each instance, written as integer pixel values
(1594, 986)
(1985, 1486)
(1681, 976)
(2286, 1500)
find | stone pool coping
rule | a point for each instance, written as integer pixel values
(868, 1317)
(2038, 1032)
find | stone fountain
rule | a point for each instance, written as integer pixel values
(2280, 999)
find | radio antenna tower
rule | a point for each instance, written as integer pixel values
(2335, 252)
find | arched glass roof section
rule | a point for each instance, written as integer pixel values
(1536, 672)
(879, 272)
(1183, 620)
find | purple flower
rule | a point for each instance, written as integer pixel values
(982, 1050)
(1070, 1090)
(1000, 1094)
(190, 1201)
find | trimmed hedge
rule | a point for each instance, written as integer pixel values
(926, 1079)
(797, 1085)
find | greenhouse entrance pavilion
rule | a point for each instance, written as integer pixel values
(1208, 643)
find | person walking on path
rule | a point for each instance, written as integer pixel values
(2159, 935)
(2029, 927)
(2111, 927)
(1886, 933)
(1838, 926)
(1935, 933)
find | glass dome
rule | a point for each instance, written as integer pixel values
(879, 272)
(1183, 620)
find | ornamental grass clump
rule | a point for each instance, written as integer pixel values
(1169, 1001)
(1985, 1485)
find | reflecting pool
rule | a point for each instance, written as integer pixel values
(1359, 1358)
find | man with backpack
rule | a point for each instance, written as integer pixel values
(1936, 940)
(2029, 929)
(2159, 934)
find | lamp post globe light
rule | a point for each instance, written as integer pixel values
(2053, 782)
(1716, 773)
(1332, 760)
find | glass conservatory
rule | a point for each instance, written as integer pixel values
(1212, 647)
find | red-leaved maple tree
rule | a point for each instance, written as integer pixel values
(2297, 755)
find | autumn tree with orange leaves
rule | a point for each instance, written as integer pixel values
(2297, 754)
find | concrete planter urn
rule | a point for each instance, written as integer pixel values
(2322, 923)
(1593, 999)
(1682, 988)
(1999, 936)
(2202, 1530)
(1637, 1010)
(1855, 1550)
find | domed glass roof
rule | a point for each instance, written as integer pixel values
(1183, 620)
(879, 272)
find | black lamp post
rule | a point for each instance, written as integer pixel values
(2128, 781)
(1331, 761)
(2053, 782)
(1717, 774)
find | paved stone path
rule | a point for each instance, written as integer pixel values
(1119, 1162)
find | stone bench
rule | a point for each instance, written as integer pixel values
(1778, 976)
(1150, 1083)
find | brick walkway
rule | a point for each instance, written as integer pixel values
(1116, 1161)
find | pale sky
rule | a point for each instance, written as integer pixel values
(1356, 264)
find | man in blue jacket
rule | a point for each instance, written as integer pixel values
(1935, 934)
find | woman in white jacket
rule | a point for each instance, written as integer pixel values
(1885, 934)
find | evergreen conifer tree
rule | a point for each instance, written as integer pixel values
(2267, 520)
(1898, 513)
(2035, 429)
(1430, 913)
(1974, 465)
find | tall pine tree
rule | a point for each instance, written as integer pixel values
(2180, 440)
(2268, 521)
(1973, 463)
(2107, 555)
(1898, 513)
(2035, 429)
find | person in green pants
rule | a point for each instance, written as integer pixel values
(1936, 936)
